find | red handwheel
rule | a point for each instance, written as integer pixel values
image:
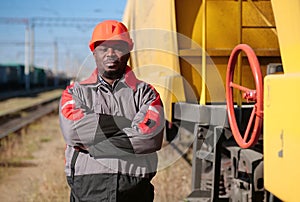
(256, 117)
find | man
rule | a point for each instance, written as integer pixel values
(112, 124)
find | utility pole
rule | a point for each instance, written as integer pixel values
(32, 46)
(26, 60)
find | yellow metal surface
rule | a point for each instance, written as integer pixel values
(282, 136)
(287, 15)
(203, 58)
(155, 55)
(282, 109)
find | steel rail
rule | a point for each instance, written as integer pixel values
(26, 116)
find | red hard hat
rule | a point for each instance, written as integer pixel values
(110, 30)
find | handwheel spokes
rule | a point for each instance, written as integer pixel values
(239, 87)
(249, 94)
(250, 123)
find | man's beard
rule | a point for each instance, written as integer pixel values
(114, 74)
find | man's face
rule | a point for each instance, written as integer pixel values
(111, 59)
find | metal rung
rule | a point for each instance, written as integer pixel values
(259, 27)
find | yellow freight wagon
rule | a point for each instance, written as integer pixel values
(229, 68)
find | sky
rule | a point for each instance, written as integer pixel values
(71, 39)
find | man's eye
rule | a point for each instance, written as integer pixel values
(103, 49)
(119, 48)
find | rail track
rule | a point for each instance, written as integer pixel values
(16, 119)
(4, 95)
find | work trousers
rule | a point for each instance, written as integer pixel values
(110, 187)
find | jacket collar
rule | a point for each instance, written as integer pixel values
(129, 78)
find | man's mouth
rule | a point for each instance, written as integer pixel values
(111, 63)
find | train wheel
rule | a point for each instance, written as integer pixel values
(256, 118)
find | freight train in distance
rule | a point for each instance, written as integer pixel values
(13, 77)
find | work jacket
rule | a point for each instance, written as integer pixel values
(116, 129)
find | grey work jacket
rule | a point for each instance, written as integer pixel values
(118, 128)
